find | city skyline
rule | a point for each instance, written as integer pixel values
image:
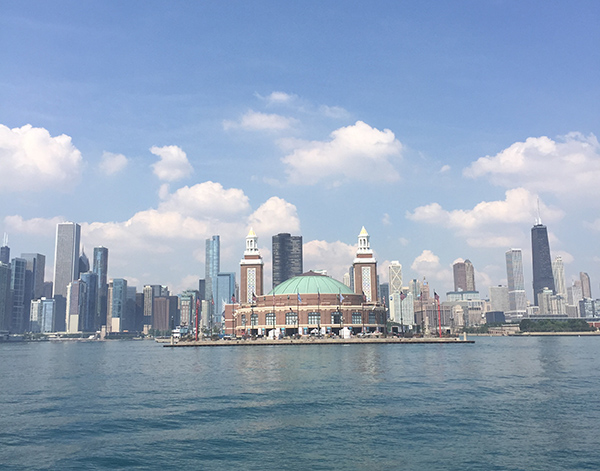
(406, 118)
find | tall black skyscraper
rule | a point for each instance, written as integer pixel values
(5, 251)
(287, 257)
(541, 261)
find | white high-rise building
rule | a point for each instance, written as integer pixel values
(517, 300)
(558, 271)
(66, 257)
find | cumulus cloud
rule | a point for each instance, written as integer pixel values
(335, 257)
(112, 163)
(34, 226)
(428, 265)
(445, 168)
(173, 163)
(277, 98)
(488, 223)
(32, 160)
(257, 121)
(205, 199)
(356, 152)
(568, 166)
(274, 216)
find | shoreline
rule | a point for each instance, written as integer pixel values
(301, 342)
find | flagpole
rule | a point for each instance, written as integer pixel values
(197, 302)
(298, 312)
(437, 298)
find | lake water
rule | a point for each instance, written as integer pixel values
(499, 404)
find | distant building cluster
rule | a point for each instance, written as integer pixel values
(82, 299)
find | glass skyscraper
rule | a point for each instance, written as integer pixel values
(541, 261)
(517, 300)
(100, 268)
(287, 257)
(66, 267)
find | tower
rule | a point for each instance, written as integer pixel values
(66, 256)
(517, 300)
(365, 269)
(469, 276)
(18, 322)
(460, 275)
(212, 268)
(251, 270)
(287, 257)
(5, 251)
(36, 264)
(541, 261)
(100, 268)
(558, 272)
(586, 286)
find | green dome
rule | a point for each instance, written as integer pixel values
(311, 283)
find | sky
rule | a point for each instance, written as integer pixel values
(441, 127)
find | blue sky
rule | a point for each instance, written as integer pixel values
(436, 125)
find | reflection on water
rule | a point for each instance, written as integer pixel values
(502, 403)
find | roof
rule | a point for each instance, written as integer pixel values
(311, 283)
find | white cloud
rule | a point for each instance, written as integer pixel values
(428, 265)
(445, 168)
(32, 160)
(568, 166)
(386, 220)
(356, 152)
(274, 216)
(335, 257)
(34, 226)
(173, 164)
(594, 225)
(488, 224)
(256, 121)
(335, 112)
(205, 199)
(276, 98)
(112, 163)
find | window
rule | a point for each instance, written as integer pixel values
(336, 317)
(290, 318)
(372, 317)
(244, 320)
(314, 318)
(270, 318)
(254, 320)
(357, 318)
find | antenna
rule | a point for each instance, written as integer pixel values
(5, 243)
(539, 217)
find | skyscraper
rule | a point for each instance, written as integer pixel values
(287, 257)
(212, 266)
(117, 294)
(5, 251)
(517, 300)
(586, 286)
(36, 264)
(541, 261)
(558, 272)
(90, 308)
(464, 276)
(66, 256)
(5, 296)
(100, 268)
(395, 288)
(20, 317)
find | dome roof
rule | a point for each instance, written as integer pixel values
(311, 283)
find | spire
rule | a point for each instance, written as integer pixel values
(5, 243)
(538, 221)
(251, 244)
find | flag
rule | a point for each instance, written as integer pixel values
(233, 298)
(402, 296)
(318, 296)
(435, 295)
(253, 297)
(299, 298)
(341, 298)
